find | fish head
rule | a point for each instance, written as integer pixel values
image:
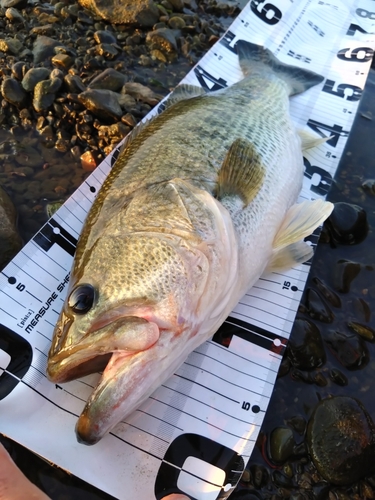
(135, 307)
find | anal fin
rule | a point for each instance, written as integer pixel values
(309, 141)
(300, 221)
(241, 173)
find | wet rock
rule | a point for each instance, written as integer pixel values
(11, 242)
(338, 377)
(43, 48)
(74, 84)
(47, 30)
(349, 349)
(109, 79)
(344, 273)
(281, 444)
(14, 15)
(19, 69)
(330, 296)
(104, 36)
(12, 91)
(340, 438)
(62, 61)
(106, 50)
(88, 161)
(28, 157)
(164, 40)
(259, 475)
(44, 93)
(11, 46)
(366, 332)
(347, 225)
(317, 308)
(369, 186)
(141, 12)
(306, 349)
(34, 76)
(103, 103)
(19, 4)
(362, 309)
(141, 93)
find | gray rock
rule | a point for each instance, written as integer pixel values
(44, 93)
(62, 61)
(177, 4)
(106, 50)
(141, 93)
(33, 76)
(11, 46)
(43, 48)
(11, 242)
(12, 91)
(109, 79)
(141, 12)
(104, 36)
(102, 103)
(46, 29)
(163, 40)
(19, 70)
(19, 4)
(74, 84)
(13, 15)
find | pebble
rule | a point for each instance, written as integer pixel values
(340, 437)
(11, 242)
(140, 12)
(348, 348)
(306, 348)
(347, 225)
(104, 36)
(62, 61)
(44, 93)
(141, 93)
(13, 92)
(102, 103)
(11, 45)
(74, 84)
(43, 48)
(281, 444)
(109, 79)
(14, 15)
(34, 76)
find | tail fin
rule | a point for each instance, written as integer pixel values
(252, 57)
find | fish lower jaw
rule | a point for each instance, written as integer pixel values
(65, 370)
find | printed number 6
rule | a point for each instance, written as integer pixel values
(268, 13)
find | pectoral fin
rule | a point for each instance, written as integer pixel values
(300, 221)
(309, 140)
(181, 93)
(242, 172)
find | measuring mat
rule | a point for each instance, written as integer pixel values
(197, 431)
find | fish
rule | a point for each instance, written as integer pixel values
(199, 204)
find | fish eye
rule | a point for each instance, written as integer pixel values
(81, 299)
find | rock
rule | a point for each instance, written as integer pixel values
(106, 50)
(349, 349)
(340, 438)
(74, 84)
(104, 36)
(11, 242)
(347, 225)
(317, 308)
(109, 79)
(364, 331)
(281, 444)
(102, 103)
(19, 4)
(88, 161)
(141, 12)
(305, 348)
(163, 40)
(62, 61)
(43, 48)
(369, 186)
(141, 93)
(12, 91)
(345, 272)
(47, 30)
(176, 23)
(177, 4)
(19, 70)
(34, 76)
(11, 45)
(13, 15)
(44, 93)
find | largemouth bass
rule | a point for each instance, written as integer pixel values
(200, 202)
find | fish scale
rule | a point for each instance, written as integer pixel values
(197, 205)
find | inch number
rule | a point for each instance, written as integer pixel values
(360, 54)
(335, 131)
(267, 12)
(321, 180)
(365, 14)
(354, 27)
(355, 92)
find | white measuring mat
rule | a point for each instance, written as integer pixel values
(197, 431)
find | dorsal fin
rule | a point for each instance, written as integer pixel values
(181, 93)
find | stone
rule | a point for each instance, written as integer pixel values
(140, 12)
(141, 93)
(74, 84)
(11, 242)
(109, 79)
(33, 76)
(13, 92)
(13, 15)
(305, 348)
(19, 4)
(11, 46)
(347, 224)
(163, 40)
(104, 36)
(281, 444)
(340, 439)
(102, 103)
(44, 93)
(43, 48)
(62, 61)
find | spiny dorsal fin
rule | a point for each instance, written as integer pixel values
(242, 172)
(181, 93)
(289, 256)
(300, 221)
(309, 140)
(134, 133)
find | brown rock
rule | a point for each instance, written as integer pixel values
(141, 12)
